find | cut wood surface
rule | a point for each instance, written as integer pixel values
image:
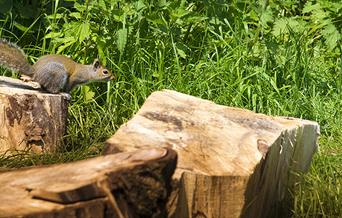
(231, 162)
(30, 119)
(131, 184)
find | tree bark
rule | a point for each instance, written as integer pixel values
(30, 120)
(130, 184)
(232, 162)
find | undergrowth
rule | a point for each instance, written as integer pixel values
(278, 58)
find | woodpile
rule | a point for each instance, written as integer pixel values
(129, 184)
(231, 162)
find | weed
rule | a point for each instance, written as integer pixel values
(273, 57)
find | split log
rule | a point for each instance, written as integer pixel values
(131, 184)
(30, 119)
(232, 162)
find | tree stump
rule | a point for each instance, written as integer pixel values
(30, 119)
(131, 184)
(231, 162)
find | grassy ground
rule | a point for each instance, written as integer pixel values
(277, 59)
(320, 193)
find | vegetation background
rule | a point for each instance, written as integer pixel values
(273, 57)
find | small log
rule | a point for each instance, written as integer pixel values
(232, 162)
(30, 119)
(131, 184)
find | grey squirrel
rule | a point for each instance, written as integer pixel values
(55, 73)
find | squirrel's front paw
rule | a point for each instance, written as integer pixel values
(26, 78)
(35, 85)
(28, 81)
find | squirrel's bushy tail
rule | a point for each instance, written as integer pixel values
(12, 57)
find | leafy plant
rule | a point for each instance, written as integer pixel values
(274, 57)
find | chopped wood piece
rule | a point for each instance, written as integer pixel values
(30, 120)
(232, 162)
(131, 184)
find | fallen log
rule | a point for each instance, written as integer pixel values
(130, 184)
(31, 120)
(232, 162)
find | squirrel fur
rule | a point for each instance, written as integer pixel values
(55, 73)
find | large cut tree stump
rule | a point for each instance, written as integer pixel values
(30, 119)
(131, 184)
(232, 162)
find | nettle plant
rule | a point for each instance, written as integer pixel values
(184, 30)
(122, 27)
(316, 19)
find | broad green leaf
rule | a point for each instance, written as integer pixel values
(88, 94)
(279, 27)
(100, 45)
(139, 5)
(101, 4)
(80, 7)
(121, 39)
(309, 7)
(54, 16)
(181, 53)
(266, 17)
(72, 29)
(76, 15)
(178, 13)
(52, 35)
(181, 50)
(320, 15)
(252, 17)
(163, 3)
(331, 35)
(84, 31)
(282, 26)
(67, 44)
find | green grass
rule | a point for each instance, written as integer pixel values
(320, 192)
(279, 60)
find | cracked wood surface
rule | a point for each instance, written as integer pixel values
(30, 120)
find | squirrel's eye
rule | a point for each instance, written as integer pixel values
(105, 72)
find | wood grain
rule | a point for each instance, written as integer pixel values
(30, 120)
(130, 184)
(232, 162)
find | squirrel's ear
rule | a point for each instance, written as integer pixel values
(96, 64)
